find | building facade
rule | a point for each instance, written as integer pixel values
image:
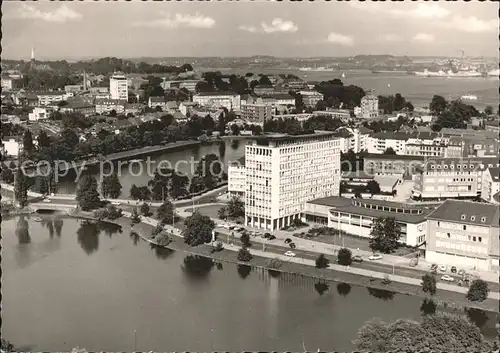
(118, 87)
(228, 100)
(236, 180)
(369, 107)
(256, 111)
(383, 164)
(284, 172)
(107, 105)
(39, 113)
(464, 234)
(490, 184)
(441, 178)
(310, 98)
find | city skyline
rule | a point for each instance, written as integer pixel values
(269, 28)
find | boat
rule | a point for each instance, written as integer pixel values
(37, 219)
(464, 73)
(394, 72)
(469, 97)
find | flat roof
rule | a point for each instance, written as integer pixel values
(286, 137)
(395, 157)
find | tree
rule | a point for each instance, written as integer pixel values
(21, 188)
(244, 255)
(384, 235)
(140, 193)
(428, 307)
(87, 194)
(178, 185)
(160, 184)
(28, 146)
(429, 284)
(478, 291)
(165, 213)
(390, 151)
(222, 212)
(198, 229)
(440, 333)
(111, 186)
(186, 68)
(321, 105)
(235, 207)
(245, 239)
(343, 289)
(221, 125)
(145, 209)
(488, 110)
(373, 187)
(322, 261)
(344, 257)
(7, 175)
(163, 239)
(438, 105)
(113, 212)
(135, 218)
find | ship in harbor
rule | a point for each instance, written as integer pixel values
(391, 72)
(493, 73)
(315, 69)
(469, 97)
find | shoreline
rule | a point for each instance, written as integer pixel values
(443, 298)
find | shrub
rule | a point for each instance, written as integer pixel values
(322, 261)
(163, 239)
(344, 257)
(478, 291)
(244, 255)
(274, 263)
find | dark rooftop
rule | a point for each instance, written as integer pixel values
(468, 212)
(395, 157)
(217, 93)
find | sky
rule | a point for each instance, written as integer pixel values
(72, 30)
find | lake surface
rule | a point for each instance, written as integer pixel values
(66, 284)
(419, 90)
(131, 174)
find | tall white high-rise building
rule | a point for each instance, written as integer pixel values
(369, 106)
(118, 87)
(283, 172)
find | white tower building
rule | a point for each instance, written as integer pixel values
(118, 87)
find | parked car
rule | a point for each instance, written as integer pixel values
(434, 267)
(453, 269)
(272, 237)
(288, 240)
(375, 257)
(267, 235)
(231, 227)
(357, 258)
(292, 245)
(46, 200)
(461, 272)
(442, 268)
(289, 253)
(447, 278)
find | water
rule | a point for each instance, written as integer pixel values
(67, 284)
(129, 174)
(419, 90)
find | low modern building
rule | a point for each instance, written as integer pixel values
(386, 164)
(217, 99)
(380, 141)
(236, 180)
(39, 113)
(49, 98)
(464, 234)
(107, 105)
(263, 89)
(490, 184)
(78, 106)
(441, 178)
(190, 85)
(310, 97)
(154, 102)
(10, 146)
(356, 216)
(283, 172)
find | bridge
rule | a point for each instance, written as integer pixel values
(43, 206)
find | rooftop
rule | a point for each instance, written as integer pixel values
(217, 93)
(394, 157)
(284, 137)
(495, 173)
(467, 212)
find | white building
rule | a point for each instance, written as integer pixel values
(464, 234)
(107, 105)
(49, 98)
(283, 172)
(256, 111)
(490, 184)
(236, 180)
(10, 146)
(118, 87)
(369, 107)
(39, 113)
(380, 141)
(218, 99)
(311, 98)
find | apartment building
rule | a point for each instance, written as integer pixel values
(283, 172)
(369, 107)
(310, 98)
(356, 216)
(380, 141)
(49, 98)
(464, 234)
(440, 178)
(236, 180)
(217, 99)
(118, 87)
(39, 113)
(79, 106)
(492, 126)
(342, 114)
(383, 164)
(428, 148)
(190, 85)
(263, 89)
(280, 99)
(154, 102)
(107, 105)
(490, 184)
(255, 110)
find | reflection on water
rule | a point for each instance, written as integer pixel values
(135, 238)
(243, 271)
(343, 289)
(428, 307)
(161, 252)
(477, 316)
(22, 231)
(274, 273)
(219, 266)
(381, 293)
(50, 226)
(197, 266)
(321, 287)
(58, 223)
(89, 231)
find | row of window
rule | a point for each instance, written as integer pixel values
(460, 237)
(462, 247)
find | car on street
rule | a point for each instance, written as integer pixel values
(442, 268)
(461, 272)
(375, 257)
(239, 229)
(447, 278)
(453, 269)
(288, 240)
(46, 200)
(292, 245)
(357, 258)
(231, 227)
(434, 267)
(290, 253)
(272, 237)
(267, 235)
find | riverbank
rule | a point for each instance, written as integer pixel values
(260, 260)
